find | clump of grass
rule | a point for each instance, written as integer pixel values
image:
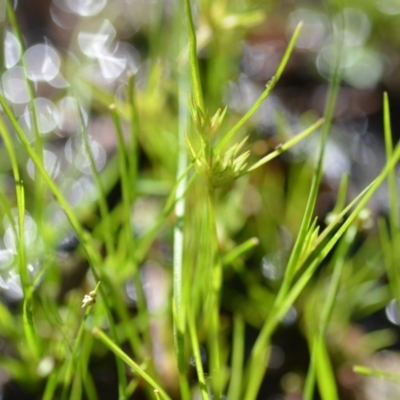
(53, 343)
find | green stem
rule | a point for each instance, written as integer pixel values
(39, 184)
(319, 339)
(31, 336)
(99, 334)
(269, 87)
(178, 302)
(238, 251)
(194, 65)
(197, 356)
(106, 230)
(216, 282)
(287, 145)
(376, 373)
(135, 130)
(392, 257)
(72, 361)
(235, 386)
(126, 187)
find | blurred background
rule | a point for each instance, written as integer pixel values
(101, 43)
(79, 55)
